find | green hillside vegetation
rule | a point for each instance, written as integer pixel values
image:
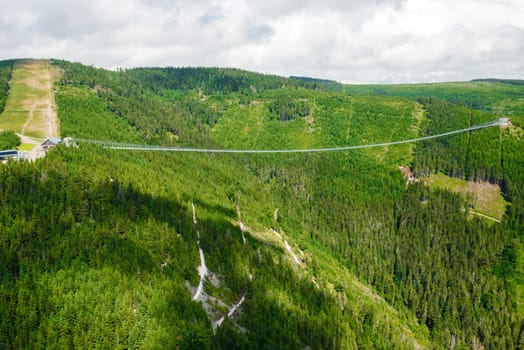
(505, 81)
(481, 158)
(6, 68)
(473, 156)
(495, 96)
(9, 140)
(331, 85)
(330, 251)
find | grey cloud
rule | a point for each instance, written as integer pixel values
(353, 41)
(259, 33)
(278, 8)
(211, 15)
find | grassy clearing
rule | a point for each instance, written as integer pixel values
(37, 126)
(31, 88)
(22, 95)
(484, 198)
(30, 83)
(13, 120)
(26, 147)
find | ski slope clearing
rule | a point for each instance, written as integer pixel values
(30, 109)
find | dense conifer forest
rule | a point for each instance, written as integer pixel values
(99, 248)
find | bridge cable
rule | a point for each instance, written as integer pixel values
(136, 147)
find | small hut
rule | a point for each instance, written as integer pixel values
(50, 143)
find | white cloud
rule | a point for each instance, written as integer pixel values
(351, 41)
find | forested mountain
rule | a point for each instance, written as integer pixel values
(492, 95)
(504, 81)
(328, 84)
(99, 248)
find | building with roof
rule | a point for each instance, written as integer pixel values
(50, 143)
(11, 154)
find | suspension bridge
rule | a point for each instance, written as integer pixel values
(152, 148)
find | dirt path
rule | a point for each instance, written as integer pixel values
(52, 121)
(29, 120)
(472, 212)
(30, 140)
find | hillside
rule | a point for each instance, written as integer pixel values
(29, 109)
(502, 97)
(106, 248)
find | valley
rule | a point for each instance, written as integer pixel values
(116, 248)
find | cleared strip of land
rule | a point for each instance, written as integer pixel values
(485, 199)
(30, 109)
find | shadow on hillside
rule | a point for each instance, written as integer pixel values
(72, 223)
(214, 208)
(98, 224)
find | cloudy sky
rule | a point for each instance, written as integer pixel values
(361, 41)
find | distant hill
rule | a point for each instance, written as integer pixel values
(488, 95)
(331, 85)
(503, 81)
